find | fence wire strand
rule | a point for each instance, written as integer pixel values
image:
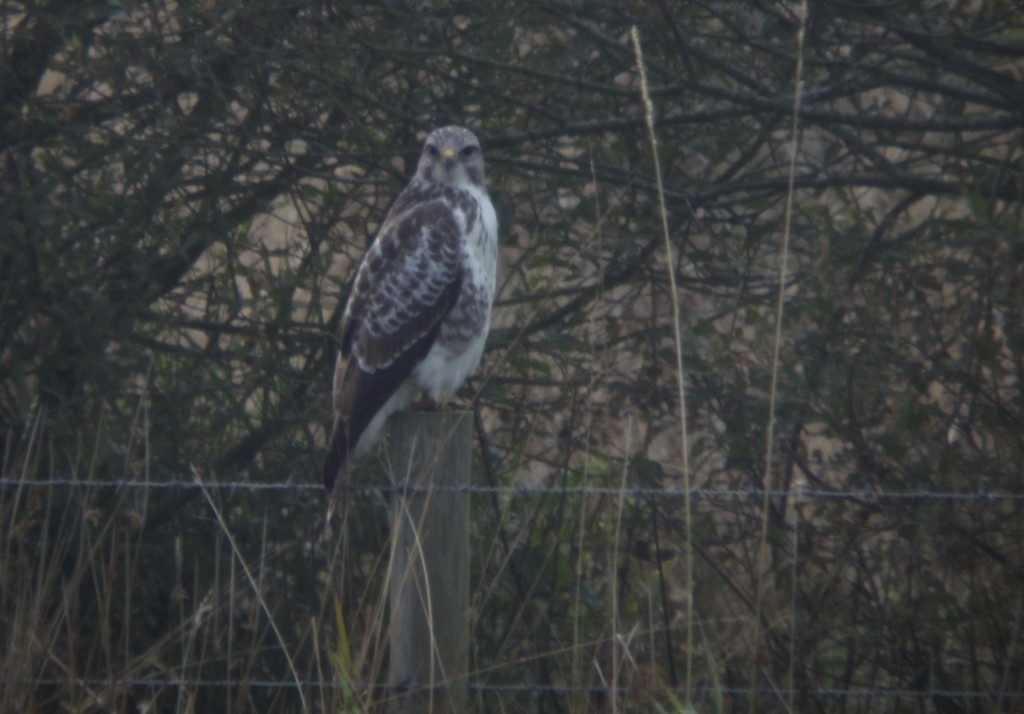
(523, 688)
(702, 492)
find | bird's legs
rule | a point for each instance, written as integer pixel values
(444, 403)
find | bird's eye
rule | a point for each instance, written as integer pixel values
(467, 151)
(433, 150)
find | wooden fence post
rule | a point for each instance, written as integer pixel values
(429, 587)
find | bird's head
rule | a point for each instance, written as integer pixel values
(452, 156)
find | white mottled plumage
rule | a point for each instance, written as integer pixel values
(419, 311)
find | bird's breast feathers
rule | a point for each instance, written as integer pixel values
(459, 346)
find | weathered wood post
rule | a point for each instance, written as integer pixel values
(429, 587)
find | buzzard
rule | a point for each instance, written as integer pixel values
(420, 307)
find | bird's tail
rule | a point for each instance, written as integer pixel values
(336, 465)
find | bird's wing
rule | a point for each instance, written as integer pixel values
(406, 285)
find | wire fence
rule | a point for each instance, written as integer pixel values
(701, 493)
(537, 689)
(977, 699)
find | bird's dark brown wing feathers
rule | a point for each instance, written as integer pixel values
(407, 283)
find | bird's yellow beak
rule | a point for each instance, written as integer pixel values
(448, 156)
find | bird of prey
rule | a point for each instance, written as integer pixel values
(420, 307)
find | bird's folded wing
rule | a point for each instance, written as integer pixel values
(407, 284)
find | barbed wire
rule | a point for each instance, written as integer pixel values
(528, 688)
(519, 489)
